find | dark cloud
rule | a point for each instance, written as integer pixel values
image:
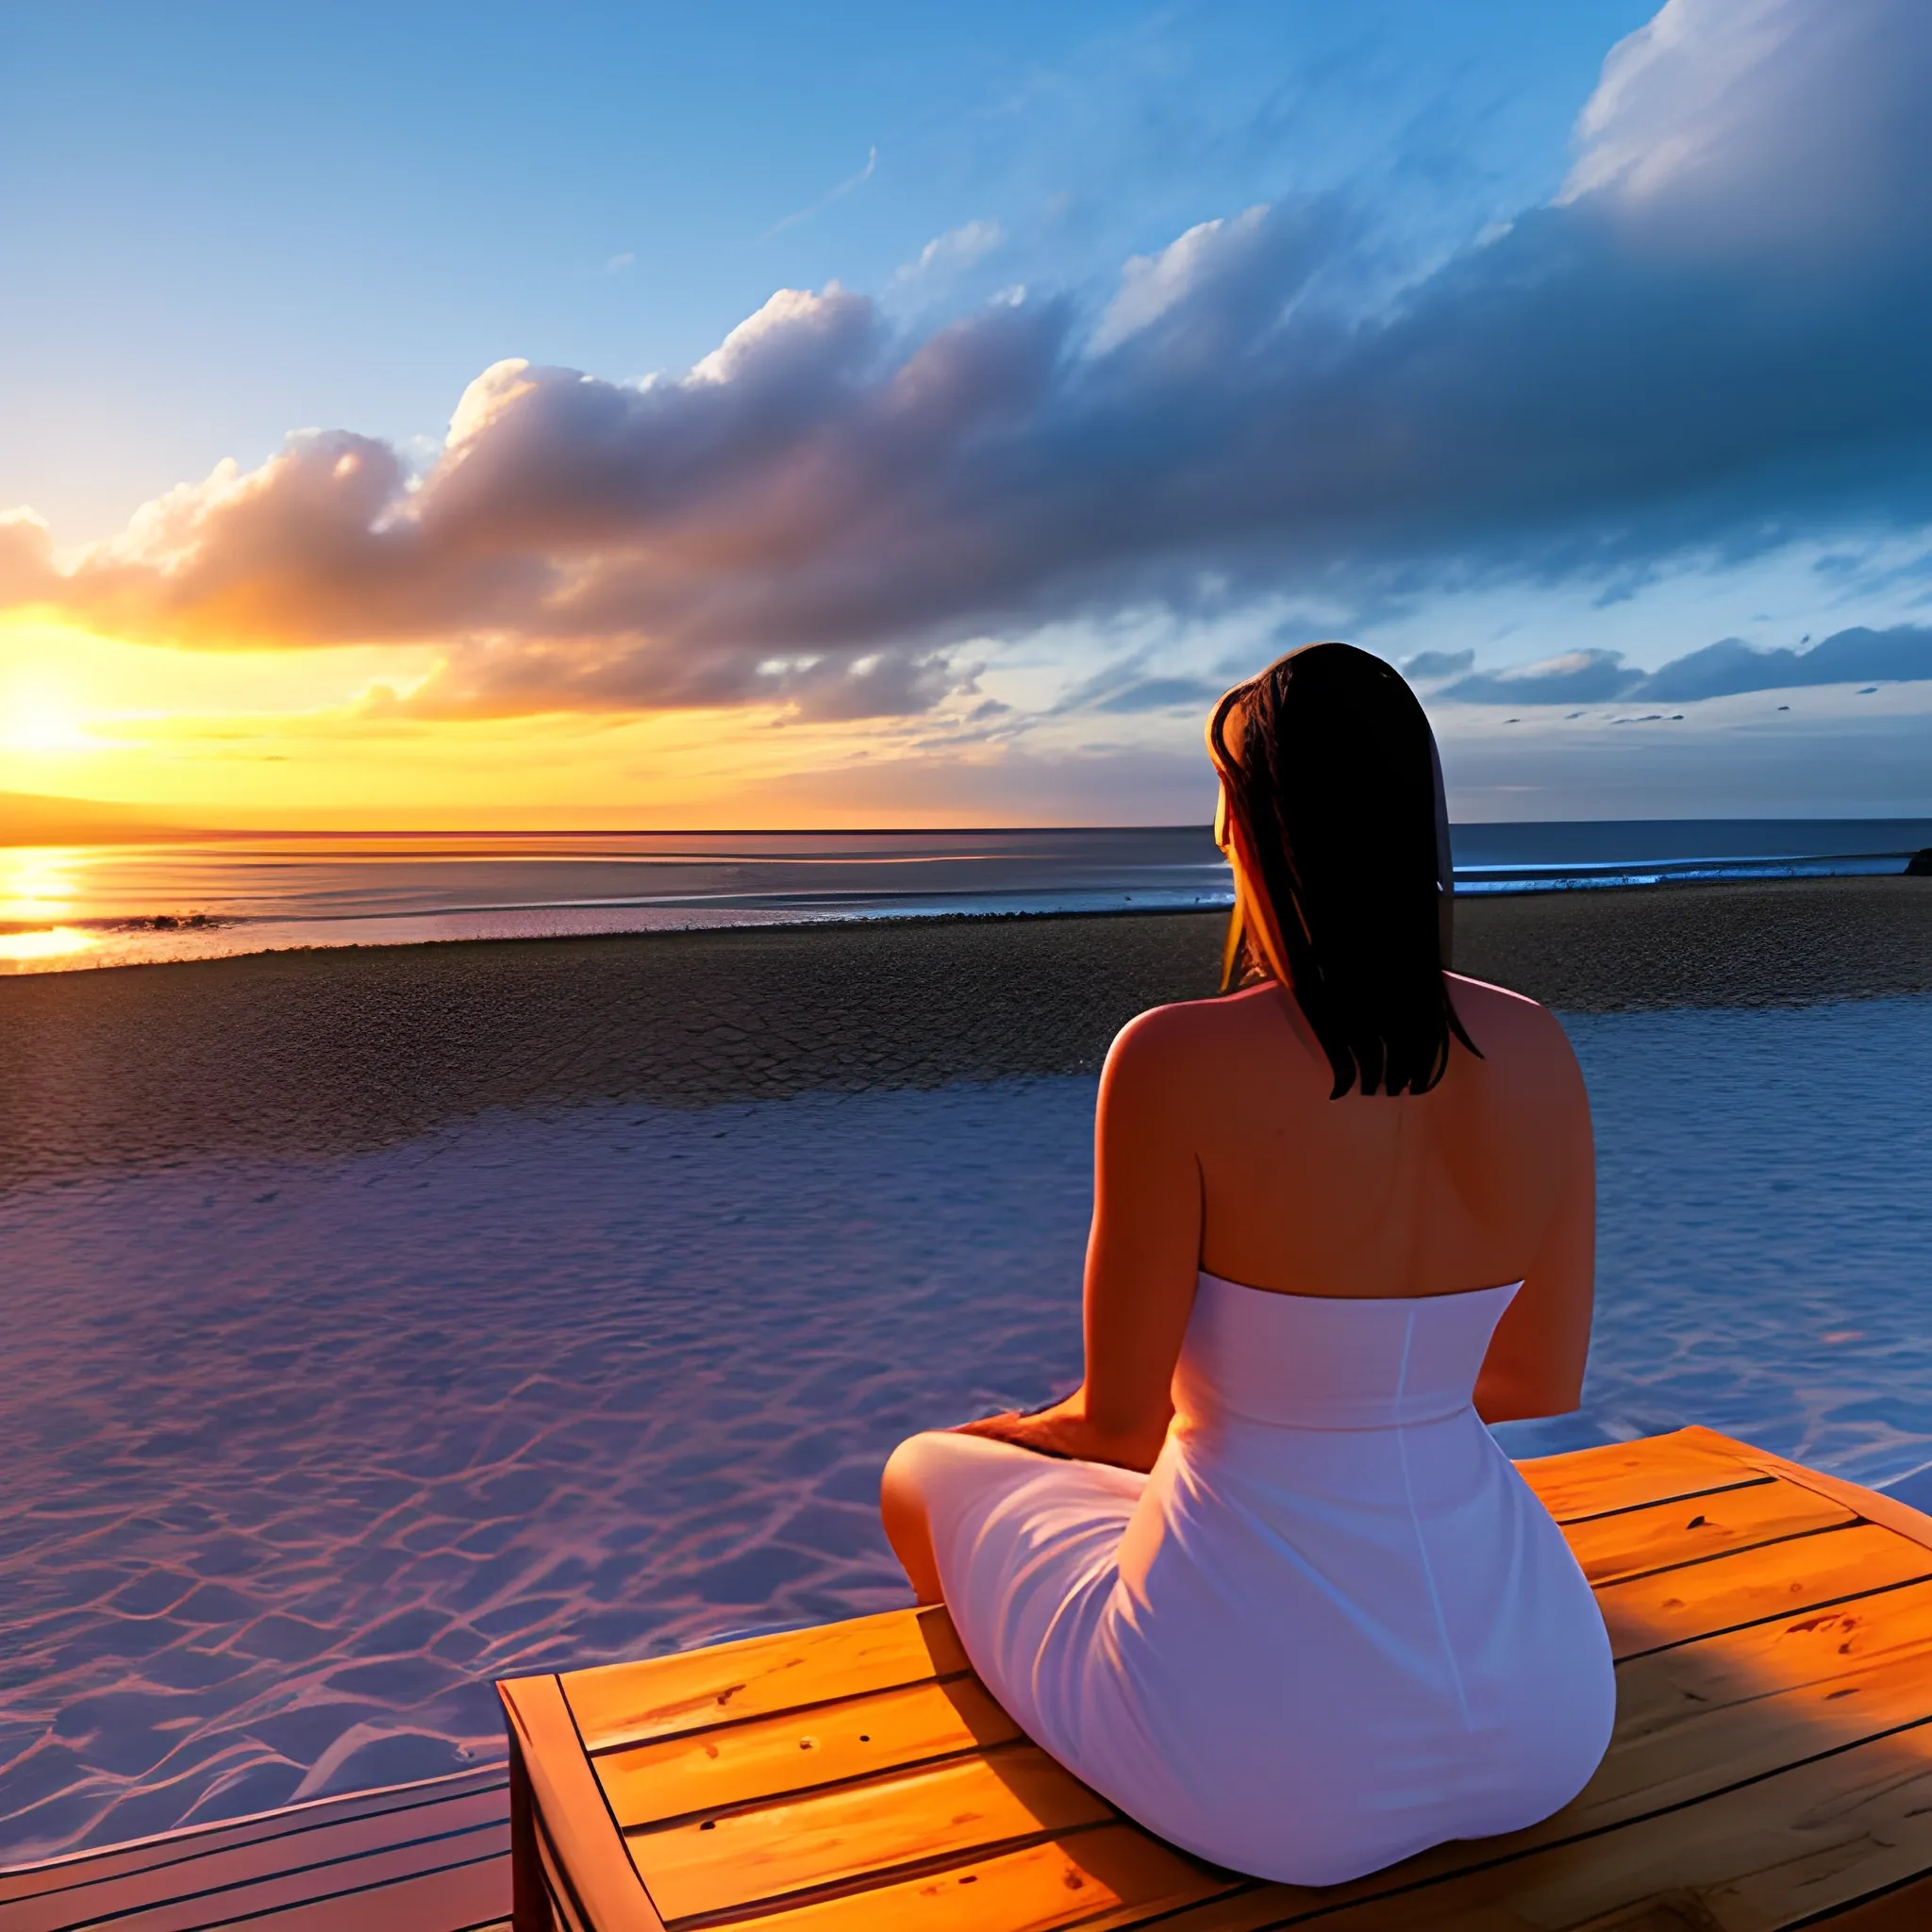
(1725, 669)
(1578, 678)
(1715, 338)
(1426, 665)
(1849, 656)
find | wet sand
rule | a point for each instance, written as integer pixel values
(346, 1050)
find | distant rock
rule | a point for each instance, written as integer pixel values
(1920, 865)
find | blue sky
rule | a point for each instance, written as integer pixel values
(1128, 345)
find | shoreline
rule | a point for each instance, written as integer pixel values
(336, 1050)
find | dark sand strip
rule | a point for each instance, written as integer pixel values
(332, 1051)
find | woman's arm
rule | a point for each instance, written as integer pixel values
(1142, 1254)
(1536, 1360)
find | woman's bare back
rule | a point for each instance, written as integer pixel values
(1485, 1179)
(1371, 1195)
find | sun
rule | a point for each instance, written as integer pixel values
(41, 724)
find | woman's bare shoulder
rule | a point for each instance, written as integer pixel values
(1180, 1037)
(1511, 1027)
(1497, 1002)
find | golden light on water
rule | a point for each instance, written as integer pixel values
(54, 944)
(38, 884)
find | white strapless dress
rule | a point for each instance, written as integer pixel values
(1331, 1627)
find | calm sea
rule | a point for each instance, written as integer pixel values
(70, 907)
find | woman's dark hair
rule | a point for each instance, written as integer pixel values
(1330, 768)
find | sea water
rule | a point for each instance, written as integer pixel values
(299, 1456)
(68, 908)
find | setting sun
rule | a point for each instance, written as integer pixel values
(37, 722)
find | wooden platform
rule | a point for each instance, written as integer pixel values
(423, 1858)
(1771, 1768)
(1771, 1765)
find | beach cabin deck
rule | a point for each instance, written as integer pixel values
(1771, 1768)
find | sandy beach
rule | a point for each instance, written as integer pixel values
(384, 1321)
(329, 1052)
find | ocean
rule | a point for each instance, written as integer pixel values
(77, 907)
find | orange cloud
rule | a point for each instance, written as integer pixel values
(822, 518)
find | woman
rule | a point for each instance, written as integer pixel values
(1264, 1579)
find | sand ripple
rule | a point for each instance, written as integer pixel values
(301, 1453)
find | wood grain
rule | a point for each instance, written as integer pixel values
(437, 1852)
(1635, 1542)
(382, 1892)
(1113, 1876)
(952, 1810)
(625, 1703)
(574, 1826)
(1773, 1757)
(1766, 1855)
(269, 1839)
(1748, 1586)
(1762, 1661)
(1694, 1721)
(1873, 1504)
(1623, 1476)
(857, 1737)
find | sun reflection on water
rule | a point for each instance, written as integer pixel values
(49, 945)
(39, 887)
(38, 883)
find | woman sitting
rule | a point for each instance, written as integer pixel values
(1265, 1580)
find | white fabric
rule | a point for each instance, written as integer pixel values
(1333, 1626)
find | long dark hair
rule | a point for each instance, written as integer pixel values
(1330, 770)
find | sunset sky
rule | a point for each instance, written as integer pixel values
(635, 415)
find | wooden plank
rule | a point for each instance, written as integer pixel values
(467, 1900)
(759, 1677)
(1638, 1541)
(555, 1907)
(1771, 1854)
(1786, 1654)
(382, 1892)
(1873, 1504)
(1622, 1475)
(326, 1854)
(407, 1804)
(1902, 1909)
(575, 1821)
(858, 1736)
(1112, 1875)
(951, 1810)
(1694, 1720)
(1748, 1586)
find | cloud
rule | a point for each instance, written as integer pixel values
(958, 248)
(1199, 276)
(1714, 337)
(1758, 122)
(1428, 665)
(1576, 678)
(1726, 669)
(1850, 657)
